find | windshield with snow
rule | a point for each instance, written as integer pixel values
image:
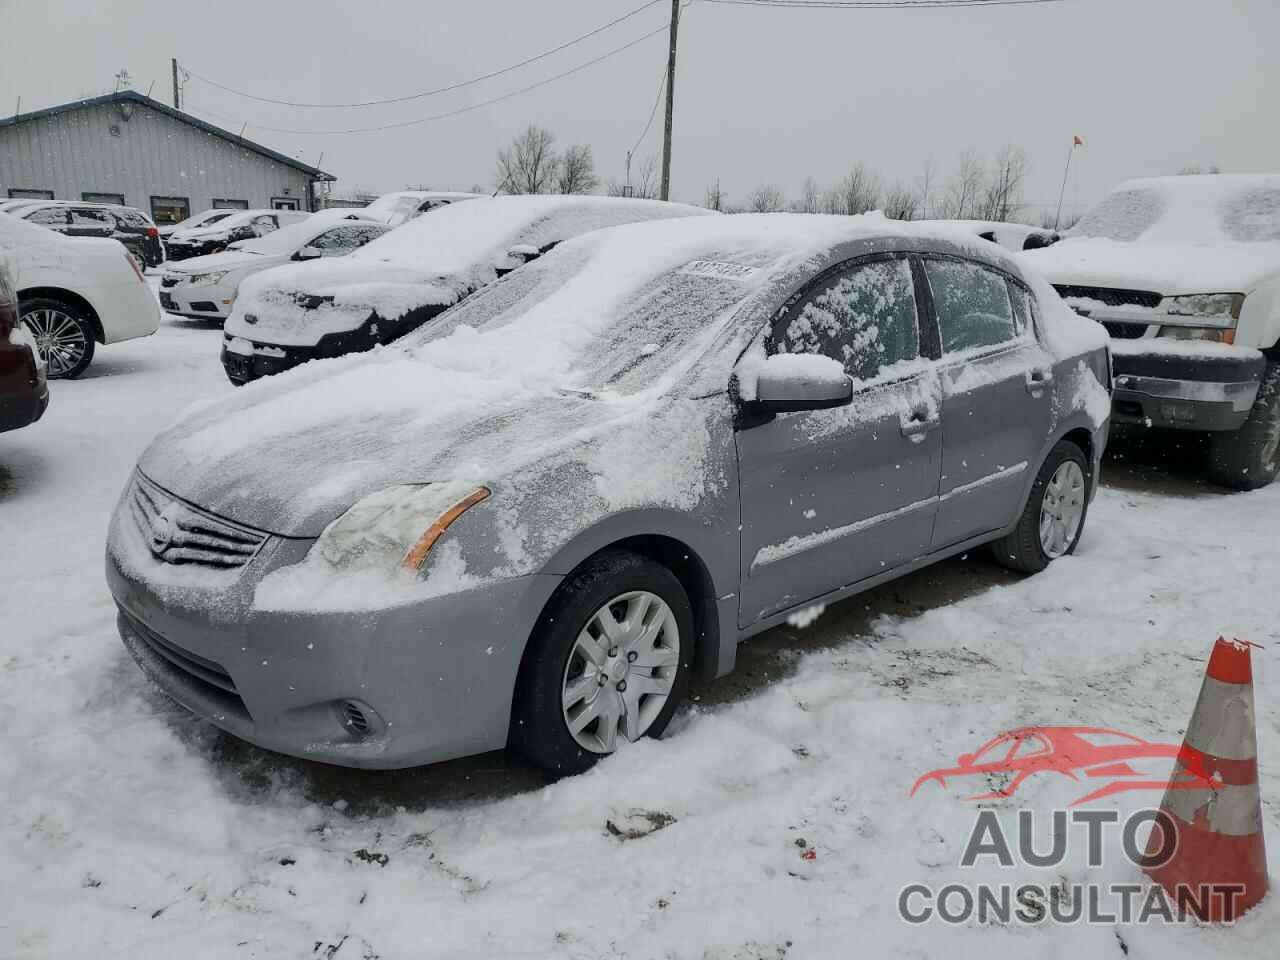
(1191, 213)
(1124, 215)
(657, 331)
(286, 240)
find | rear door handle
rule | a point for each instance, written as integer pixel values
(919, 424)
(1038, 379)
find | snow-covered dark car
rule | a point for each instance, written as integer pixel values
(217, 235)
(131, 227)
(398, 282)
(1184, 273)
(535, 518)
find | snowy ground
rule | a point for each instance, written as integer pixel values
(129, 829)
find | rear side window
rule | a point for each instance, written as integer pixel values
(347, 238)
(49, 217)
(92, 217)
(132, 218)
(973, 305)
(864, 316)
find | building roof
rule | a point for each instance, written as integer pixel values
(132, 96)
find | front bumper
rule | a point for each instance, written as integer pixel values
(198, 303)
(433, 680)
(24, 407)
(1180, 393)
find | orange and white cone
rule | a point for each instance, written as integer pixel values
(1218, 867)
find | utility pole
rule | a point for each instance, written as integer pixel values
(177, 91)
(671, 100)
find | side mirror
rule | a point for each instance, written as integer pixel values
(1038, 241)
(308, 253)
(786, 382)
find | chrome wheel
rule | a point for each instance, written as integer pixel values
(1062, 509)
(60, 339)
(620, 671)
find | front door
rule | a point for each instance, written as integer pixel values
(831, 497)
(996, 396)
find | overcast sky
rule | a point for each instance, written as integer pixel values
(764, 95)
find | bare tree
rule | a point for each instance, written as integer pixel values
(901, 202)
(858, 192)
(1002, 196)
(964, 191)
(924, 185)
(766, 198)
(530, 164)
(577, 172)
(810, 197)
(1193, 169)
(715, 198)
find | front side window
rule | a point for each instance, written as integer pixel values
(89, 217)
(342, 239)
(973, 305)
(864, 316)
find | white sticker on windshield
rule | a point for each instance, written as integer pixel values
(718, 269)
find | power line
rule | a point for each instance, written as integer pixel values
(652, 113)
(439, 90)
(879, 4)
(475, 106)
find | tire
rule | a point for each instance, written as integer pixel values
(71, 336)
(555, 668)
(1026, 549)
(1249, 458)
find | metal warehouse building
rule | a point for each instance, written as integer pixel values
(127, 148)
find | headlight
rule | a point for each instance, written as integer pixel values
(206, 279)
(1212, 334)
(396, 527)
(1211, 306)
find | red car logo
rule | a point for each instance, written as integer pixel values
(1075, 752)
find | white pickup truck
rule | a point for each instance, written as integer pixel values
(1184, 273)
(76, 292)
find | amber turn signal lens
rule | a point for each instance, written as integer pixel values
(415, 558)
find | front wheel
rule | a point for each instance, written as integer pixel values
(63, 337)
(1053, 519)
(1249, 458)
(608, 663)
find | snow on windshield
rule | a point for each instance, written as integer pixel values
(1124, 215)
(1219, 208)
(1253, 215)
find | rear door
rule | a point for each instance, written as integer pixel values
(831, 497)
(996, 395)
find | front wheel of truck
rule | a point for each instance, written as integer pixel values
(1249, 458)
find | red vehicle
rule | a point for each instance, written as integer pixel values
(24, 391)
(1075, 752)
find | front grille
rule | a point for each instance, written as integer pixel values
(1111, 296)
(206, 306)
(1125, 331)
(178, 533)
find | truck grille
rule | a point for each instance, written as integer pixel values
(178, 533)
(1111, 296)
(1125, 331)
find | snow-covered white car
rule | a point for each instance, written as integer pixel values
(533, 521)
(403, 205)
(75, 292)
(1184, 273)
(204, 288)
(217, 236)
(309, 311)
(206, 218)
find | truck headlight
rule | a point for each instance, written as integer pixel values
(396, 527)
(1218, 314)
(206, 279)
(1211, 334)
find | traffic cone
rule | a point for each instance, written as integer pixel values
(1218, 867)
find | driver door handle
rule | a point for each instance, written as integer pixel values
(919, 424)
(1038, 379)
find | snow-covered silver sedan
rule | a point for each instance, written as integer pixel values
(532, 521)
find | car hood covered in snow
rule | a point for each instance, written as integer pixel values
(433, 260)
(1169, 269)
(587, 362)
(227, 260)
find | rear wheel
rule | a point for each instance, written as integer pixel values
(1053, 519)
(1249, 458)
(608, 663)
(63, 337)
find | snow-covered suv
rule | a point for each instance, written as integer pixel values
(1184, 272)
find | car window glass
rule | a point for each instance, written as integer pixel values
(89, 217)
(972, 304)
(49, 217)
(132, 218)
(864, 316)
(345, 238)
(1024, 307)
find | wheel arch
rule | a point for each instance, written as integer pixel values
(72, 300)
